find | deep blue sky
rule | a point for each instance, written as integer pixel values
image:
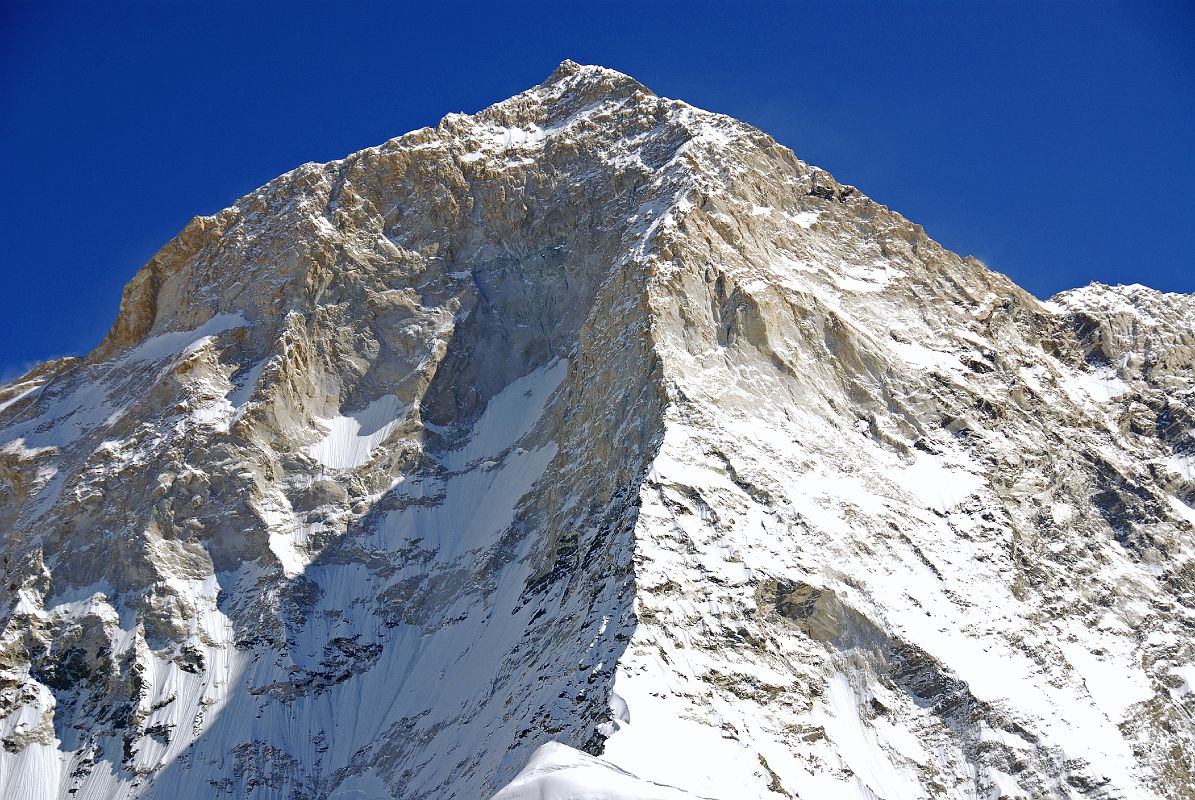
(1055, 141)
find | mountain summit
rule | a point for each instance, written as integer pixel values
(596, 446)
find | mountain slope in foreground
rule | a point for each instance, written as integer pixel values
(598, 424)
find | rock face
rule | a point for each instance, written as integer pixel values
(598, 422)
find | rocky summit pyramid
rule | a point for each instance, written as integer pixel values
(594, 446)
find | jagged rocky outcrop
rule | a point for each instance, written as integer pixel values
(598, 420)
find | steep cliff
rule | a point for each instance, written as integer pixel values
(598, 420)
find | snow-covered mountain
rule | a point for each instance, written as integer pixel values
(594, 446)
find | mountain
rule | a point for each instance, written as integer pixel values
(595, 446)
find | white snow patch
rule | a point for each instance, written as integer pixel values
(921, 356)
(1186, 673)
(168, 344)
(1182, 464)
(20, 396)
(351, 439)
(246, 384)
(1182, 509)
(805, 218)
(509, 415)
(366, 785)
(215, 413)
(1102, 385)
(1099, 385)
(860, 748)
(1113, 686)
(65, 418)
(901, 740)
(68, 416)
(939, 486)
(558, 772)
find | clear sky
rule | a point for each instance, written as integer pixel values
(1053, 140)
